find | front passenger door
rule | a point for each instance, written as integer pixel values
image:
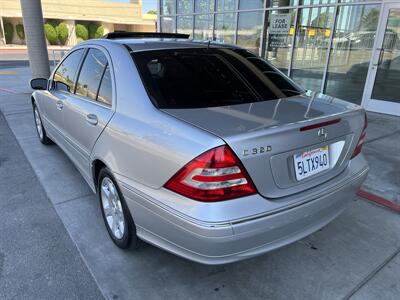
(91, 107)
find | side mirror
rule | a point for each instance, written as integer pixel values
(39, 83)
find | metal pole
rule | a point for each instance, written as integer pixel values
(35, 40)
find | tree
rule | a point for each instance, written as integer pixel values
(20, 31)
(51, 34)
(8, 32)
(322, 21)
(152, 12)
(81, 31)
(370, 21)
(62, 33)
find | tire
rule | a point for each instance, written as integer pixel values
(122, 230)
(41, 132)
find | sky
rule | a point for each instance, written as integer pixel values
(147, 4)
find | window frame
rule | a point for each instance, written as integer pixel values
(109, 63)
(52, 87)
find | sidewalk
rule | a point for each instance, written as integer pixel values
(382, 150)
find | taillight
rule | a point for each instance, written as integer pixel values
(361, 140)
(215, 175)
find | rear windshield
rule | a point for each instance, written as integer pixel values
(197, 78)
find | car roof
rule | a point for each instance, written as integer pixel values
(146, 44)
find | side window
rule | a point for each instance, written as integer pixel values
(105, 91)
(66, 71)
(91, 73)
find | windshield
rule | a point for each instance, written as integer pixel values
(198, 78)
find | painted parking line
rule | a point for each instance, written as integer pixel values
(8, 73)
(8, 91)
(379, 200)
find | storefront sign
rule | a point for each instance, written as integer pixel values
(277, 41)
(279, 30)
(280, 24)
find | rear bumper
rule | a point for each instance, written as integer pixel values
(211, 243)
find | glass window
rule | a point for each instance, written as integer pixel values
(350, 1)
(282, 3)
(168, 7)
(90, 74)
(105, 91)
(279, 39)
(387, 80)
(185, 6)
(168, 24)
(251, 4)
(352, 45)
(249, 30)
(203, 27)
(204, 6)
(66, 71)
(185, 25)
(226, 5)
(311, 45)
(225, 28)
(314, 2)
(202, 77)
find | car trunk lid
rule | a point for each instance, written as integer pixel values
(267, 135)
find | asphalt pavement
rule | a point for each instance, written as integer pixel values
(38, 259)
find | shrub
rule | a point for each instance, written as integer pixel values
(79, 40)
(8, 32)
(62, 33)
(99, 32)
(51, 34)
(95, 31)
(20, 31)
(92, 30)
(81, 31)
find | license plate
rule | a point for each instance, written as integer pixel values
(311, 162)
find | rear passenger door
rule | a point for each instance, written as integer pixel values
(91, 107)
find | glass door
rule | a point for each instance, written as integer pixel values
(382, 92)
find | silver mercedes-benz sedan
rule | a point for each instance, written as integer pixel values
(202, 149)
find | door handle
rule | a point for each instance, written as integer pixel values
(92, 119)
(60, 105)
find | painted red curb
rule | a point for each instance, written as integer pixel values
(379, 200)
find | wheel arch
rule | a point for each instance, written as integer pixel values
(97, 165)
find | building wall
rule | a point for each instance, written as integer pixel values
(107, 13)
(94, 10)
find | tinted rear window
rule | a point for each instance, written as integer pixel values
(194, 78)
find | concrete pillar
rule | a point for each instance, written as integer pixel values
(35, 38)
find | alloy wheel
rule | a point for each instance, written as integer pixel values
(112, 208)
(38, 123)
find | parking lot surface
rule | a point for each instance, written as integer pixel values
(38, 259)
(357, 256)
